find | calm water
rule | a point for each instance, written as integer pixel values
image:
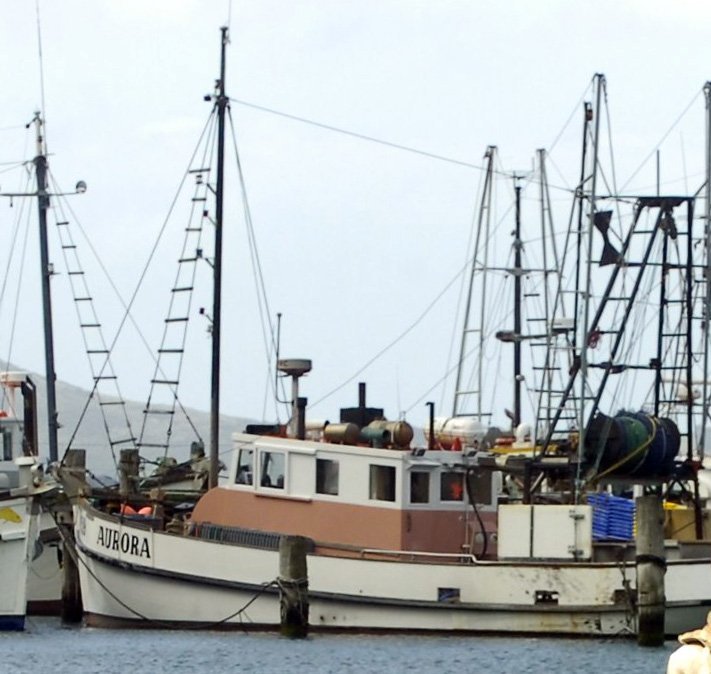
(48, 647)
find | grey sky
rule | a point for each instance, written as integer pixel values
(356, 238)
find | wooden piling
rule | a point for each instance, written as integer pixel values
(651, 567)
(72, 611)
(128, 472)
(293, 586)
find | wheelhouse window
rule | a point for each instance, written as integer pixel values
(382, 483)
(272, 470)
(419, 486)
(327, 477)
(451, 486)
(245, 466)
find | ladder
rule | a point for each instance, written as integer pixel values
(160, 409)
(106, 390)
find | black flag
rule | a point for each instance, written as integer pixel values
(609, 252)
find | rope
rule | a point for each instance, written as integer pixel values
(629, 456)
(70, 547)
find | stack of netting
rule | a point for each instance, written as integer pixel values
(613, 517)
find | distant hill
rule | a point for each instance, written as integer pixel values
(91, 434)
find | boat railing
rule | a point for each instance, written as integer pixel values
(415, 555)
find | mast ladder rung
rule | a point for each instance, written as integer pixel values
(164, 381)
(176, 320)
(83, 299)
(63, 222)
(200, 170)
(106, 403)
(199, 198)
(170, 350)
(183, 289)
(536, 320)
(188, 259)
(193, 229)
(104, 377)
(152, 445)
(97, 351)
(159, 412)
(75, 273)
(122, 442)
(69, 246)
(90, 325)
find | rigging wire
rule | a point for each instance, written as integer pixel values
(576, 108)
(470, 260)
(268, 331)
(23, 259)
(41, 72)
(661, 140)
(127, 316)
(362, 136)
(396, 340)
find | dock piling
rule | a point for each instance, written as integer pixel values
(293, 587)
(651, 567)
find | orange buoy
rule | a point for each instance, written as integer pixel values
(127, 509)
(146, 511)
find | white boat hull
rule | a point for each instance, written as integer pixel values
(131, 574)
(44, 583)
(18, 529)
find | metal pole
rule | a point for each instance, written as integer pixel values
(600, 81)
(40, 163)
(707, 298)
(517, 308)
(221, 104)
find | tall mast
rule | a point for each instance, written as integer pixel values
(587, 292)
(40, 162)
(707, 252)
(221, 103)
(481, 238)
(516, 420)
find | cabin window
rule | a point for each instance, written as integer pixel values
(272, 470)
(382, 483)
(419, 486)
(451, 486)
(245, 466)
(327, 477)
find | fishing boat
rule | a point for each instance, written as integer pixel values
(424, 538)
(23, 486)
(45, 575)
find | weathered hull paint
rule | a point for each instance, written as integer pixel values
(17, 535)
(186, 582)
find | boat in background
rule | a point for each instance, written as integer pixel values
(25, 557)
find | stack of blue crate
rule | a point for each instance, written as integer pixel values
(613, 517)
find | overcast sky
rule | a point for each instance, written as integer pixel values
(356, 238)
